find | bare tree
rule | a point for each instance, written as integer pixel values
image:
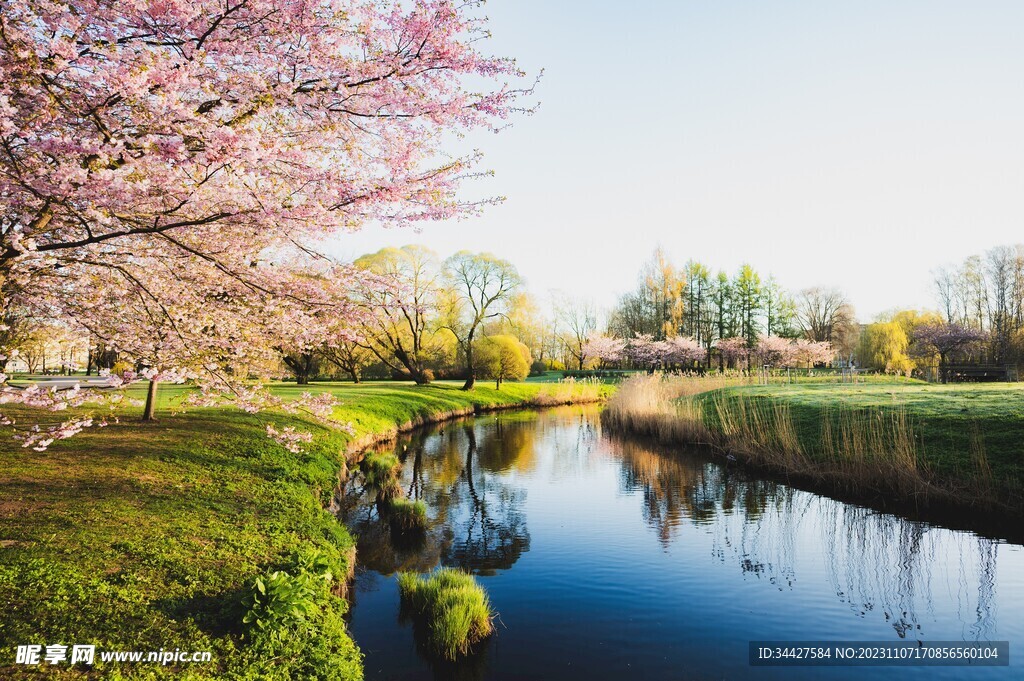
(578, 319)
(400, 333)
(349, 356)
(945, 288)
(480, 288)
(1000, 273)
(821, 310)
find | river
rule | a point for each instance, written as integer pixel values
(611, 558)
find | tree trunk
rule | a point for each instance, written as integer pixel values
(302, 377)
(497, 384)
(147, 413)
(355, 375)
(471, 375)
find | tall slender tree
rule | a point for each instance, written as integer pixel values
(480, 288)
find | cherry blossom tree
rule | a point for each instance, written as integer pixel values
(732, 350)
(682, 351)
(161, 160)
(774, 351)
(810, 353)
(607, 349)
(642, 350)
(944, 339)
(679, 351)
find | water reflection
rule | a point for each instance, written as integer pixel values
(476, 517)
(629, 539)
(875, 562)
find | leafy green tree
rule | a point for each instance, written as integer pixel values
(747, 292)
(503, 358)
(779, 310)
(885, 346)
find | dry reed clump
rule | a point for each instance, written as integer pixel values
(982, 469)
(569, 391)
(653, 404)
(859, 450)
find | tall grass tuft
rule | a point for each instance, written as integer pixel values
(451, 605)
(406, 515)
(380, 472)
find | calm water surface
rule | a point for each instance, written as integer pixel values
(608, 558)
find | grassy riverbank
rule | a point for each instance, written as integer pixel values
(911, 443)
(140, 537)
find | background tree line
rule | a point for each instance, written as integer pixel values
(693, 301)
(425, 318)
(979, 321)
(469, 316)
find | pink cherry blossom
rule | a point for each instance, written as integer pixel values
(170, 168)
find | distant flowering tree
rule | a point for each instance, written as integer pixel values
(810, 353)
(732, 350)
(606, 349)
(643, 351)
(944, 339)
(162, 162)
(682, 351)
(679, 351)
(774, 351)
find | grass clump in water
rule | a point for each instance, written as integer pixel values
(380, 471)
(406, 515)
(453, 607)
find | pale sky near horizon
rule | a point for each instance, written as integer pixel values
(858, 145)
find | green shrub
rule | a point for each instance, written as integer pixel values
(294, 623)
(451, 605)
(279, 601)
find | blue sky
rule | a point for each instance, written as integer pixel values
(858, 145)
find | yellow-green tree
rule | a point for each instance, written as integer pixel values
(402, 332)
(886, 345)
(503, 358)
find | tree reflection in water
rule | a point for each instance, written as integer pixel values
(878, 564)
(476, 515)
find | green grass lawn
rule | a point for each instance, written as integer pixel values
(947, 417)
(149, 536)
